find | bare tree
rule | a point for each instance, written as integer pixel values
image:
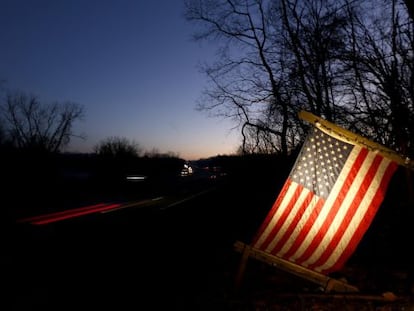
(245, 85)
(32, 125)
(118, 147)
(380, 87)
(276, 58)
(348, 61)
(315, 39)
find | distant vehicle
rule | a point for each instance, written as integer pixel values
(187, 170)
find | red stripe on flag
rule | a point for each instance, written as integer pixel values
(307, 227)
(285, 235)
(272, 212)
(351, 212)
(286, 211)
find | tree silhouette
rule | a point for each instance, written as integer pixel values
(117, 147)
(347, 61)
(31, 125)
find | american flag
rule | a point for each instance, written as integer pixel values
(326, 204)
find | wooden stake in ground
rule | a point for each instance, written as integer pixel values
(326, 282)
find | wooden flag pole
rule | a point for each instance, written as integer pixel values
(352, 138)
(242, 267)
(328, 283)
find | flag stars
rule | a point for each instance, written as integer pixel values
(320, 162)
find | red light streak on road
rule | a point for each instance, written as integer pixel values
(57, 216)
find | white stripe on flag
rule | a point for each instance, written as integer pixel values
(293, 213)
(300, 227)
(276, 216)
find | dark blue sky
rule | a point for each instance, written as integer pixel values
(130, 63)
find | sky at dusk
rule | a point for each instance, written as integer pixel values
(130, 63)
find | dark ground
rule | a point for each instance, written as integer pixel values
(182, 258)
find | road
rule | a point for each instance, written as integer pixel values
(164, 253)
